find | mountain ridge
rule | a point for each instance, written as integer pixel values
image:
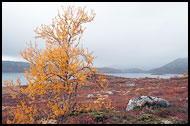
(178, 66)
(14, 66)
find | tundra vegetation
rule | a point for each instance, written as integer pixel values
(62, 76)
(57, 72)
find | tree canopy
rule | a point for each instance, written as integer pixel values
(57, 72)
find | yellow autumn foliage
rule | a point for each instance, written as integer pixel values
(58, 71)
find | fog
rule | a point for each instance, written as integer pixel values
(129, 35)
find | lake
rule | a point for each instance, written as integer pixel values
(13, 76)
(143, 75)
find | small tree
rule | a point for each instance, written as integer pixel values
(57, 72)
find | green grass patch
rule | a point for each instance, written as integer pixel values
(99, 116)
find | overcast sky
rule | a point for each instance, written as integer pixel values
(143, 35)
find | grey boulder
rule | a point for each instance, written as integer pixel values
(147, 101)
(90, 95)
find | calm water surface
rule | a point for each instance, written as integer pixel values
(13, 76)
(143, 75)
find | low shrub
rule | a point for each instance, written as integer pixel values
(99, 116)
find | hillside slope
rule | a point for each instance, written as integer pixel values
(178, 66)
(12, 66)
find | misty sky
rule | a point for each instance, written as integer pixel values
(142, 35)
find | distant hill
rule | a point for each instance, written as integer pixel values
(14, 67)
(18, 67)
(113, 70)
(133, 70)
(108, 70)
(178, 66)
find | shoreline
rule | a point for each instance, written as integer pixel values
(122, 77)
(175, 90)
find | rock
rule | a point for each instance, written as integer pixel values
(176, 120)
(90, 95)
(4, 108)
(124, 121)
(113, 91)
(51, 121)
(146, 101)
(166, 122)
(108, 92)
(183, 87)
(130, 85)
(153, 92)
